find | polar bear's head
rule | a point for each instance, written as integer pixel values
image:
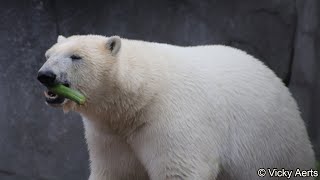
(85, 63)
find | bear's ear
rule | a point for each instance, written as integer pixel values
(61, 38)
(114, 44)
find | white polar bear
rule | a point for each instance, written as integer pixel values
(157, 111)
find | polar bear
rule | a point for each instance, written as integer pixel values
(158, 111)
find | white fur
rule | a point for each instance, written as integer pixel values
(158, 111)
(61, 38)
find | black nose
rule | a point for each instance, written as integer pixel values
(46, 77)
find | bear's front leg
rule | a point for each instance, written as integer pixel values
(111, 158)
(170, 152)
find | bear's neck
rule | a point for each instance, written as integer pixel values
(119, 114)
(119, 118)
(137, 81)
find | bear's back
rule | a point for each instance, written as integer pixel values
(224, 90)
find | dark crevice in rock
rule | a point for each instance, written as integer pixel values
(55, 14)
(315, 85)
(271, 12)
(287, 79)
(4, 172)
(7, 173)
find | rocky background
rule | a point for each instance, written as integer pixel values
(41, 143)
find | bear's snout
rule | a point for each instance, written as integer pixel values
(46, 77)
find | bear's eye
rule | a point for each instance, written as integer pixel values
(75, 57)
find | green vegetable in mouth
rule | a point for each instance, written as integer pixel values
(68, 93)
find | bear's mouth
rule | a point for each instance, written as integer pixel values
(53, 99)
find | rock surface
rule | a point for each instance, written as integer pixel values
(40, 142)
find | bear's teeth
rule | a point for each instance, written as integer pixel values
(50, 95)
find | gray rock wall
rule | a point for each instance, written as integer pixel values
(39, 142)
(305, 78)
